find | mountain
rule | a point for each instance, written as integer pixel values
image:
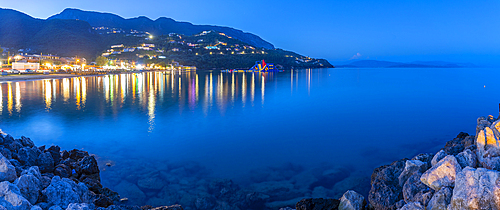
(64, 37)
(415, 64)
(92, 34)
(159, 26)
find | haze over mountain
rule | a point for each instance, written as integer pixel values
(159, 26)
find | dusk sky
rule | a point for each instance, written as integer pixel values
(458, 31)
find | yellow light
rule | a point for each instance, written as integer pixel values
(150, 36)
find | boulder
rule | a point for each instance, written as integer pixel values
(456, 145)
(440, 155)
(55, 152)
(11, 198)
(45, 162)
(416, 191)
(442, 174)
(352, 200)
(61, 193)
(29, 186)
(440, 200)
(7, 170)
(172, 207)
(77, 154)
(476, 189)
(411, 167)
(88, 165)
(412, 206)
(205, 202)
(28, 155)
(80, 206)
(385, 192)
(36, 207)
(317, 204)
(26, 142)
(467, 158)
(63, 171)
(33, 170)
(55, 207)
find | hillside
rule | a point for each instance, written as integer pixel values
(157, 27)
(69, 34)
(62, 37)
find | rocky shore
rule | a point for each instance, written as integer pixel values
(463, 175)
(39, 178)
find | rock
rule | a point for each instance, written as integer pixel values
(33, 170)
(77, 154)
(440, 155)
(281, 190)
(442, 174)
(467, 158)
(55, 152)
(385, 192)
(28, 155)
(481, 124)
(45, 162)
(114, 196)
(63, 171)
(5, 152)
(416, 191)
(456, 145)
(412, 206)
(102, 201)
(352, 201)
(26, 142)
(411, 167)
(440, 200)
(14, 146)
(7, 170)
(476, 189)
(491, 140)
(317, 204)
(11, 198)
(172, 207)
(60, 193)
(222, 189)
(151, 183)
(131, 191)
(205, 202)
(55, 207)
(29, 186)
(425, 158)
(80, 206)
(35, 207)
(92, 181)
(88, 165)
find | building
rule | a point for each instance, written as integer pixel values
(25, 66)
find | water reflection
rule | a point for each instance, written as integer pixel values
(146, 92)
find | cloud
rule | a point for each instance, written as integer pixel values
(357, 56)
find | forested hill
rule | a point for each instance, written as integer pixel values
(210, 47)
(157, 27)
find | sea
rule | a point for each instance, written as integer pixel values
(250, 128)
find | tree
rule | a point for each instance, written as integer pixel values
(101, 61)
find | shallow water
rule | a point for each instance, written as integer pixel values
(236, 124)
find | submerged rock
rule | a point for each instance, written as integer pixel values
(442, 174)
(317, 204)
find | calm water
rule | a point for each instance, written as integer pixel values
(235, 123)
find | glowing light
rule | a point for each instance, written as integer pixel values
(18, 98)
(1, 100)
(150, 36)
(48, 94)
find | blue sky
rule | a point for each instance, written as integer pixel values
(458, 31)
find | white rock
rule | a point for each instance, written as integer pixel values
(351, 200)
(412, 206)
(476, 189)
(440, 199)
(442, 174)
(11, 198)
